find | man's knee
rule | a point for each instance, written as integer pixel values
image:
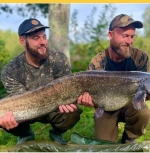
(66, 121)
(144, 115)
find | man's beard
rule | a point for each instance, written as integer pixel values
(35, 53)
(118, 49)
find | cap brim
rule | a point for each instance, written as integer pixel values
(36, 28)
(138, 24)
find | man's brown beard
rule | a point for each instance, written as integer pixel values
(35, 53)
(124, 53)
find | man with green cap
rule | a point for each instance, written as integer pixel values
(120, 56)
(33, 68)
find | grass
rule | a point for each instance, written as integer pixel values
(84, 127)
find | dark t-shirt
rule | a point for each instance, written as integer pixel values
(138, 61)
(125, 65)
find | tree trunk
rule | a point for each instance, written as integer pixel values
(59, 27)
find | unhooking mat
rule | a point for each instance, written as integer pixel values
(79, 143)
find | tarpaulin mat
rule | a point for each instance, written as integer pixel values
(80, 143)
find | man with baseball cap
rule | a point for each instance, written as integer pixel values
(121, 56)
(33, 68)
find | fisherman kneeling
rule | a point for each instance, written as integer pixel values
(121, 56)
(33, 68)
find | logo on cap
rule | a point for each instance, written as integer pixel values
(34, 22)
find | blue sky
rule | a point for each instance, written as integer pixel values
(135, 10)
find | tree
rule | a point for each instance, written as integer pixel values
(59, 25)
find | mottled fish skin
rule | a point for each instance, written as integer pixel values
(109, 90)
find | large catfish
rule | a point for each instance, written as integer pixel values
(110, 90)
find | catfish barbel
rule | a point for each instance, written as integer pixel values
(110, 90)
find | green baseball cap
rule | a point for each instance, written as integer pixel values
(124, 20)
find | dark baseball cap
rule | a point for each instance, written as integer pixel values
(30, 25)
(124, 20)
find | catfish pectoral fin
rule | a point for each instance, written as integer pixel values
(139, 100)
(99, 112)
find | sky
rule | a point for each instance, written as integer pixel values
(135, 10)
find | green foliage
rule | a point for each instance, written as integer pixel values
(81, 54)
(142, 43)
(4, 56)
(9, 48)
(91, 39)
